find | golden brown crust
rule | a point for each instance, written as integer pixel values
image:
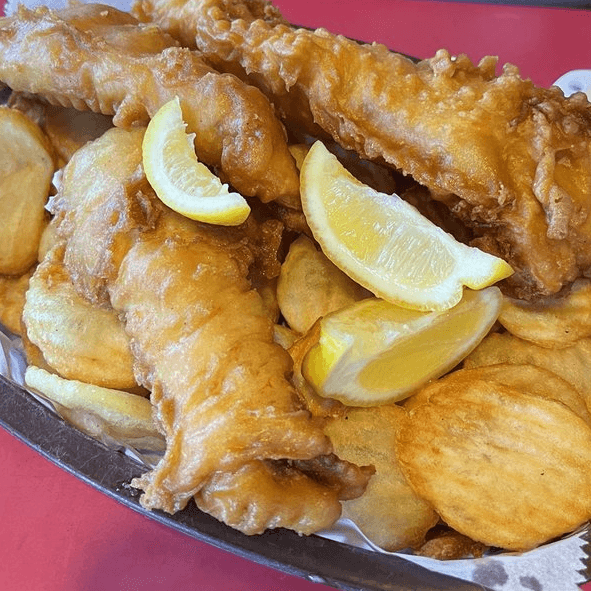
(511, 160)
(96, 57)
(201, 337)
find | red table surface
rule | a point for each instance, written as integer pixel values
(59, 534)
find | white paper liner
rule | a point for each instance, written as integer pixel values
(552, 567)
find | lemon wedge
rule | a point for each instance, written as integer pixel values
(374, 352)
(179, 179)
(385, 244)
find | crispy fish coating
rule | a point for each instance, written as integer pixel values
(201, 337)
(268, 494)
(511, 160)
(92, 56)
(450, 545)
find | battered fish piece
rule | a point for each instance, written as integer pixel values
(201, 338)
(264, 495)
(92, 56)
(511, 160)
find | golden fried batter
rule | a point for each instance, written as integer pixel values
(92, 56)
(511, 160)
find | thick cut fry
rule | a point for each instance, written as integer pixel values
(78, 340)
(390, 514)
(552, 322)
(100, 412)
(26, 168)
(310, 286)
(572, 364)
(95, 57)
(503, 467)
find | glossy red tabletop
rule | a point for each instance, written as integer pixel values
(59, 534)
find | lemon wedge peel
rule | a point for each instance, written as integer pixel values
(182, 182)
(374, 352)
(385, 244)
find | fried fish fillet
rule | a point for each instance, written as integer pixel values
(202, 342)
(511, 160)
(92, 56)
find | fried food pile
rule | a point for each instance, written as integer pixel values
(511, 160)
(190, 338)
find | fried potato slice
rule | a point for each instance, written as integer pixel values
(553, 322)
(66, 128)
(26, 168)
(525, 378)
(389, 513)
(572, 364)
(49, 239)
(12, 300)
(77, 339)
(99, 412)
(503, 467)
(310, 286)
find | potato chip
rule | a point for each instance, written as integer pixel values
(12, 300)
(100, 412)
(284, 336)
(389, 513)
(26, 168)
(76, 338)
(552, 322)
(503, 467)
(525, 378)
(572, 364)
(49, 239)
(310, 286)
